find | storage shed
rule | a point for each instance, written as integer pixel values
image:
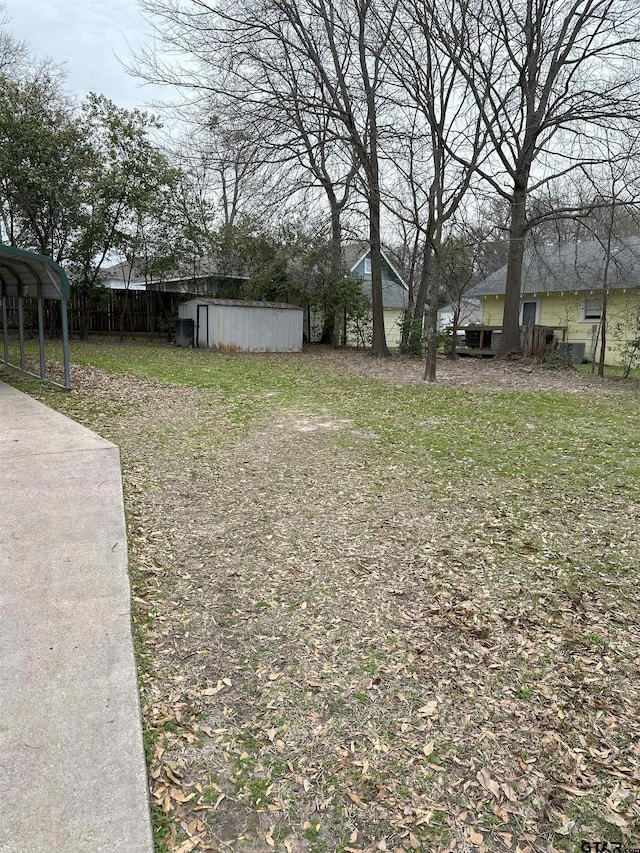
(231, 325)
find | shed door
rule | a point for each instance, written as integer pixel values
(202, 327)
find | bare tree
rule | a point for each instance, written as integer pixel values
(610, 214)
(545, 76)
(428, 80)
(404, 200)
(285, 104)
(14, 54)
(325, 62)
(234, 155)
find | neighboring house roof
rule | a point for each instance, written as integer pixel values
(394, 288)
(123, 275)
(470, 312)
(570, 267)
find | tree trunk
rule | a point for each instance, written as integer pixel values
(603, 334)
(151, 325)
(335, 273)
(409, 314)
(453, 353)
(510, 343)
(417, 320)
(605, 293)
(432, 323)
(379, 343)
(85, 312)
(124, 311)
(431, 239)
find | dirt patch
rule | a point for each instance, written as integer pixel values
(473, 373)
(310, 424)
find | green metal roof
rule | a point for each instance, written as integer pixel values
(21, 272)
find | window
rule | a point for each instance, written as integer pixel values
(592, 308)
(367, 265)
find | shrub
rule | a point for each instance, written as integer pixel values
(557, 360)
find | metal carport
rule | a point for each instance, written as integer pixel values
(27, 275)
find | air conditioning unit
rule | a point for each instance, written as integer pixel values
(575, 350)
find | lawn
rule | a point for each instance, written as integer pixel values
(372, 614)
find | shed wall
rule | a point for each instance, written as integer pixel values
(188, 310)
(247, 328)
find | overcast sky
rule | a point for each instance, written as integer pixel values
(88, 38)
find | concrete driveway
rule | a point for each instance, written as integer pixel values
(72, 770)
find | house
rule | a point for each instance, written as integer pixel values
(562, 287)
(395, 294)
(232, 325)
(131, 301)
(200, 278)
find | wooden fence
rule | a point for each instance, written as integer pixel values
(105, 311)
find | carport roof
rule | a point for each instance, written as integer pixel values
(21, 272)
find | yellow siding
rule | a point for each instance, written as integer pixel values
(393, 327)
(392, 330)
(564, 309)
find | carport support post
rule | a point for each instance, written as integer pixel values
(41, 332)
(5, 327)
(21, 331)
(65, 343)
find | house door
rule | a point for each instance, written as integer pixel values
(529, 310)
(202, 327)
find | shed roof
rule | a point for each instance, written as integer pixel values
(570, 267)
(241, 303)
(21, 272)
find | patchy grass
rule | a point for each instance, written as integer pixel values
(373, 614)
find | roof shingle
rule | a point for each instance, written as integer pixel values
(571, 267)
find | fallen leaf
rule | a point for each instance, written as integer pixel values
(575, 791)
(474, 837)
(181, 797)
(488, 783)
(614, 817)
(509, 792)
(187, 846)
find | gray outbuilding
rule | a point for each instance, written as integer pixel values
(235, 326)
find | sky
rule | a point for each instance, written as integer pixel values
(90, 39)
